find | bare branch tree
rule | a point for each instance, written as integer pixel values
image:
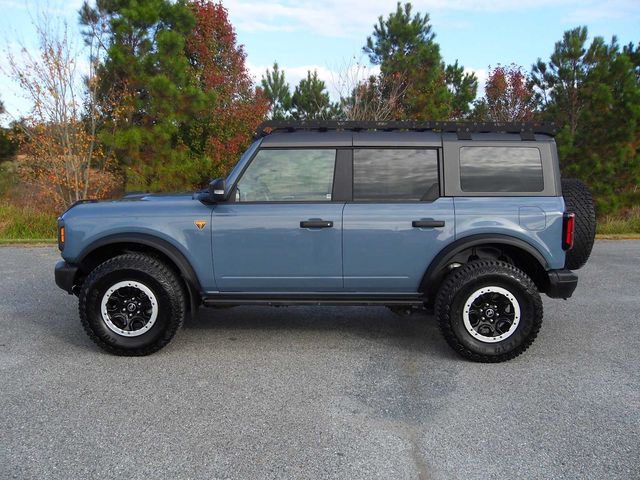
(62, 154)
(369, 95)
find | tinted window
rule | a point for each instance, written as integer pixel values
(288, 176)
(501, 169)
(400, 174)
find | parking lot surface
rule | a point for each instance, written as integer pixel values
(320, 392)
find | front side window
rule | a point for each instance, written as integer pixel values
(501, 169)
(288, 175)
(395, 174)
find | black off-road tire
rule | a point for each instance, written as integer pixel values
(461, 284)
(578, 200)
(163, 282)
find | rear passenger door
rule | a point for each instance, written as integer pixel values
(397, 221)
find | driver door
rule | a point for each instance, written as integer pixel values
(281, 231)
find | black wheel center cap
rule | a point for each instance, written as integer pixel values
(489, 312)
(132, 307)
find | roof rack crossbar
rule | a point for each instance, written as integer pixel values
(527, 130)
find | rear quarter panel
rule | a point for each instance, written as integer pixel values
(535, 220)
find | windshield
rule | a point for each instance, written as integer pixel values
(233, 175)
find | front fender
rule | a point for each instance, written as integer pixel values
(168, 249)
(173, 226)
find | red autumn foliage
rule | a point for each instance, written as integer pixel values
(219, 67)
(509, 94)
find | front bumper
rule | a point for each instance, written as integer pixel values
(65, 274)
(562, 283)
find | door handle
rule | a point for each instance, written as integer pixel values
(316, 224)
(427, 223)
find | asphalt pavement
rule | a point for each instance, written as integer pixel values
(320, 392)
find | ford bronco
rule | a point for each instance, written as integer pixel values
(470, 220)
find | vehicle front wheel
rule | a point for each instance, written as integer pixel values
(489, 311)
(132, 304)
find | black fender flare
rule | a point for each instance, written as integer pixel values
(163, 246)
(445, 255)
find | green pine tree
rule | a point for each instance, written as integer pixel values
(633, 52)
(311, 101)
(463, 86)
(8, 145)
(562, 78)
(146, 90)
(277, 91)
(593, 93)
(404, 46)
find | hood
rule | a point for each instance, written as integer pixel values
(131, 204)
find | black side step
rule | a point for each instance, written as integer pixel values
(274, 299)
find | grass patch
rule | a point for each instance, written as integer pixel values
(628, 224)
(32, 242)
(26, 224)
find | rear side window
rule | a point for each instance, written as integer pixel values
(395, 174)
(501, 169)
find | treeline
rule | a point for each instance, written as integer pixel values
(414, 81)
(590, 90)
(169, 103)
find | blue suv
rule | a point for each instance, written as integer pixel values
(467, 219)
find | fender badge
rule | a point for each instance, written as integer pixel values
(200, 224)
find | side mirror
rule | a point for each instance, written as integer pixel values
(218, 190)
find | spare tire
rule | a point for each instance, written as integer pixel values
(578, 200)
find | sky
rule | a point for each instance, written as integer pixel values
(328, 36)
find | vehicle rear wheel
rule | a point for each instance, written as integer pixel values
(132, 304)
(489, 311)
(578, 200)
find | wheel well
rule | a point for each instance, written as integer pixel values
(105, 252)
(512, 254)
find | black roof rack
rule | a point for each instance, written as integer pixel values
(527, 130)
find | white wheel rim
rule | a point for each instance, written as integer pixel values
(127, 312)
(469, 315)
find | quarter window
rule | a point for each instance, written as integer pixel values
(288, 176)
(501, 169)
(395, 174)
